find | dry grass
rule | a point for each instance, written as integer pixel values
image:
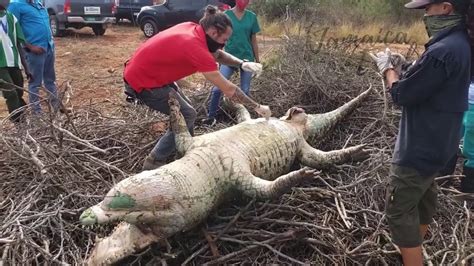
(414, 33)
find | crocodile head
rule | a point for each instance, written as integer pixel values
(296, 115)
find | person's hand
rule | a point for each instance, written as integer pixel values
(29, 76)
(383, 60)
(264, 111)
(255, 68)
(398, 61)
(35, 49)
(388, 60)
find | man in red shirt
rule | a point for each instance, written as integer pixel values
(178, 52)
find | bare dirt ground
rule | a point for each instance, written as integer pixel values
(94, 65)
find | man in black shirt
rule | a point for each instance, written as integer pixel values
(433, 97)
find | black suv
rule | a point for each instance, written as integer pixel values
(153, 19)
(80, 13)
(129, 9)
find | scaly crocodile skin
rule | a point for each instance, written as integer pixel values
(253, 157)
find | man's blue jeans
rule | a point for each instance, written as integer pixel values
(42, 69)
(157, 99)
(216, 94)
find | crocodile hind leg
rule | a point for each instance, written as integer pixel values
(318, 159)
(318, 125)
(254, 186)
(183, 138)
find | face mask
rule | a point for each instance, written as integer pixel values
(242, 4)
(212, 45)
(437, 23)
(4, 3)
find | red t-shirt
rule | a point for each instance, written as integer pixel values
(169, 56)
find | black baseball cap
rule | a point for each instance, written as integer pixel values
(419, 4)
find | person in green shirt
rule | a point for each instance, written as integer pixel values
(243, 45)
(11, 61)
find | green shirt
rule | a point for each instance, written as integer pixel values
(240, 43)
(10, 35)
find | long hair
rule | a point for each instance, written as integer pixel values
(215, 18)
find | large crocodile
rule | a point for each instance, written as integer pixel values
(253, 157)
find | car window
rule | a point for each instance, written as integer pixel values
(199, 3)
(178, 4)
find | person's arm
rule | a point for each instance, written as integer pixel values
(225, 58)
(255, 48)
(428, 77)
(34, 49)
(391, 76)
(235, 94)
(253, 34)
(229, 89)
(14, 8)
(24, 63)
(20, 41)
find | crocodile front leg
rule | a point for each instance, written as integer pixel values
(241, 113)
(183, 138)
(315, 158)
(253, 186)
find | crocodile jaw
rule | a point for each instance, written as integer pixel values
(125, 240)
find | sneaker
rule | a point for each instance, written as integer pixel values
(151, 163)
(210, 122)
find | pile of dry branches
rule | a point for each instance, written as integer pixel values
(55, 166)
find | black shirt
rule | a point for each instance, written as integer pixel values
(433, 95)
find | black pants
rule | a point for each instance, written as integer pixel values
(13, 96)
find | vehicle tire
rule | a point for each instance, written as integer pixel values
(98, 30)
(54, 24)
(149, 28)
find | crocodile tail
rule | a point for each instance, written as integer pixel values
(318, 125)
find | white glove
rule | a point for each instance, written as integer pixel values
(382, 59)
(264, 111)
(255, 68)
(388, 60)
(398, 60)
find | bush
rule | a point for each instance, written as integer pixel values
(336, 11)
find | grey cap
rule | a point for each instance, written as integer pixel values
(419, 4)
(460, 5)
